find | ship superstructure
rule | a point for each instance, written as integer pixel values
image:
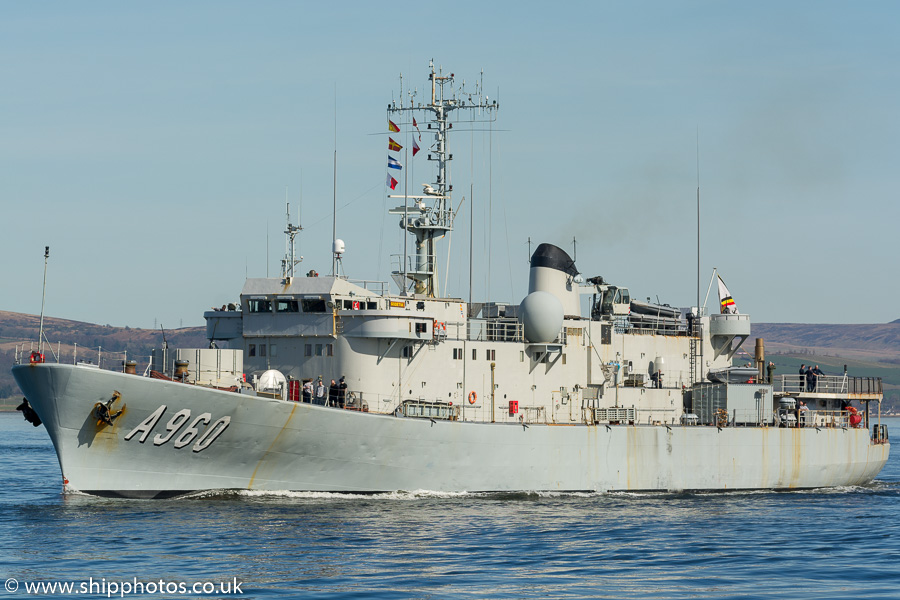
(577, 387)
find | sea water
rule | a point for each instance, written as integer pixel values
(829, 543)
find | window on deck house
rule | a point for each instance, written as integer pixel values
(259, 306)
(287, 306)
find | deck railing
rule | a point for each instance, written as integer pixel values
(376, 287)
(829, 384)
(88, 356)
(495, 330)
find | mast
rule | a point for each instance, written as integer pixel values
(334, 258)
(699, 319)
(290, 258)
(43, 296)
(696, 323)
(428, 223)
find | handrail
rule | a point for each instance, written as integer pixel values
(373, 285)
(729, 317)
(495, 330)
(412, 263)
(503, 329)
(829, 384)
(110, 360)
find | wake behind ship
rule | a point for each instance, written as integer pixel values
(437, 393)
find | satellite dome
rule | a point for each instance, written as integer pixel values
(338, 247)
(541, 314)
(271, 380)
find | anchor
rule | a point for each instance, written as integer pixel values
(28, 412)
(104, 412)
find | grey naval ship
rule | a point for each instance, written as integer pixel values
(442, 394)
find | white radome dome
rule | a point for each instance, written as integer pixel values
(271, 380)
(541, 314)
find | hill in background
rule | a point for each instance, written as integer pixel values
(870, 350)
(85, 341)
(878, 342)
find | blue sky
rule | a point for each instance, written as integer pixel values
(151, 144)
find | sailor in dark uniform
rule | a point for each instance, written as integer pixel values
(342, 392)
(333, 393)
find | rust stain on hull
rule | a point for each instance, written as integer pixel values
(107, 436)
(796, 457)
(272, 445)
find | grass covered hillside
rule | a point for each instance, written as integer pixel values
(67, 338)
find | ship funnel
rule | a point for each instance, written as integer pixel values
(553, 271)
(552, 294)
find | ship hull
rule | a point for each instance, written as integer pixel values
(174, 438)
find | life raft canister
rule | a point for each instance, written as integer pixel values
(472, 397)
(438, 329)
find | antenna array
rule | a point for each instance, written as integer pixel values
(431, 215)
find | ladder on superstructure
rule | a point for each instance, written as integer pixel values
(695, 333)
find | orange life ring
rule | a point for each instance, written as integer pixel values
(472, 397)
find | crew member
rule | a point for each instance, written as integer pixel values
(320, 392)
(333, 393)
(342, 392)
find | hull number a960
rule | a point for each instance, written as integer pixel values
(175, 433)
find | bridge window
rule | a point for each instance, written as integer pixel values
(259, 306)
(308, 350)
(251, 350)
(313, 306)
(287, 306)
